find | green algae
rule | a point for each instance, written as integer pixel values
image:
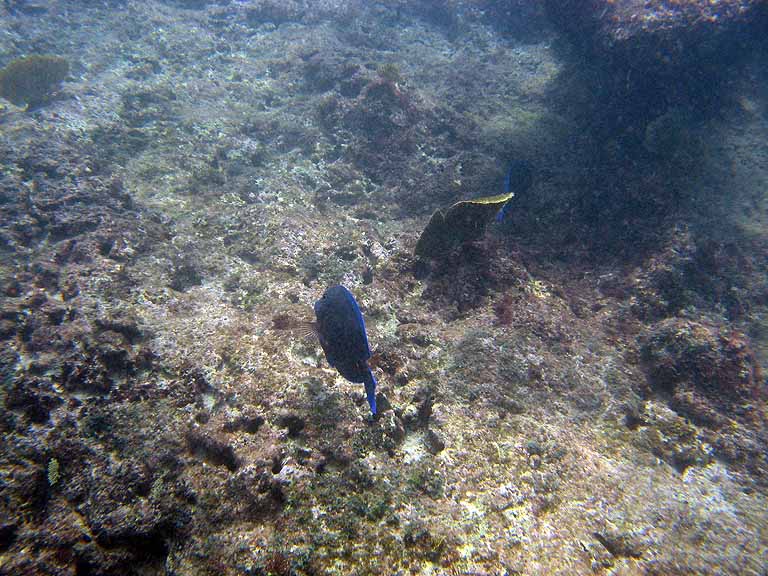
(391, 72)
(424, 478)
(54, 472)
(31, 79)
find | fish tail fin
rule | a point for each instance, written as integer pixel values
(508, 179)
(370, 391)
(502, 213)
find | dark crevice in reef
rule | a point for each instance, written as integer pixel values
(213, 450)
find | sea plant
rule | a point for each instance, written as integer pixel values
(391, 73)
(53, 472)
(32, 79)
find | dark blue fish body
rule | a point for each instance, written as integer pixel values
(518, 179)
(341, 329)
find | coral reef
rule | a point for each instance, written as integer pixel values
(683, 355)
(576, 390)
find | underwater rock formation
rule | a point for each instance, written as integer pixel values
(650, 57)
(673, 33)
(711, 378)
(707, 371)
(163, 229)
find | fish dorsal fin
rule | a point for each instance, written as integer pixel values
(498, 199)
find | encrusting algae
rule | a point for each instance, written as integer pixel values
(32, 79)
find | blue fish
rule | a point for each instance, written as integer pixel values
(341, 330)
(519, 178)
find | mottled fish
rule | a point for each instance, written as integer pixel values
(341, 330)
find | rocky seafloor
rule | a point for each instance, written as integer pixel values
(577, 392)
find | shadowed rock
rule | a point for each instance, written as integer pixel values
(652, 56)
(212, 450)
(658, 34)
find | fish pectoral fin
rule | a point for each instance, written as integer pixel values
(502, 213)
(307, 330)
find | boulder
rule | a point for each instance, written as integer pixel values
(650, 56)
(655, 33)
